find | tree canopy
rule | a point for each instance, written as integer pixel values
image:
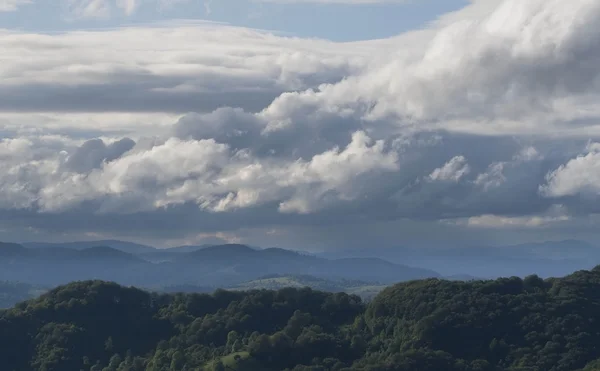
(506, 324)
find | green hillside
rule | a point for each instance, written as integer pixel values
(428, 325)
(363, 289)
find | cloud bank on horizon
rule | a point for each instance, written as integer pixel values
(483, 124)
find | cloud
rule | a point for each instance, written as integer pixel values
(211, 176)
(107, 8)
(89, 8)
(93, 153)
(476, 123)
(492, 177)
(128, 6)
(555, 215)
(517, 67)
(453, 170)
(12, 5)
(163, 69)
(580, 175)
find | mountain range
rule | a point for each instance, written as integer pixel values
(212, 266)
(128, 247)
(546, 259)
(232, 264)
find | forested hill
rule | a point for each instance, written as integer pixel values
(429, 325)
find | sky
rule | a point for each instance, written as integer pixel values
(321, 124)
(338, 20)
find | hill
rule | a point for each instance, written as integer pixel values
(128, 247)
(212, 266)
(546, 259)
(169, 254)
(12, 250)
(510, 324)
(187, 248)
(365, 290)
(52, 266)
(238, 263)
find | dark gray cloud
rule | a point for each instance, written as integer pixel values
(93, 153)
(126, 98)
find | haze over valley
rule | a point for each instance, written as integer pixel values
(41, 266)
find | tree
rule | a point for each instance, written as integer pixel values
(177, 361)
(218, 366)
(232, 337)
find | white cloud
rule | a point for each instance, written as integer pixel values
(528, 154)
(163, 68)
(514, 70)
(480, 71)
(453, 170)
(493, 177)
(494, 221)
(208, 174)
(12, 5)
(556, 214)
(580, 175)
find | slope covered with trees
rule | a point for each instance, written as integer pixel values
(505, 324)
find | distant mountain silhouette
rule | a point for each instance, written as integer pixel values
(220, 252)
(63, 254)
(212, 266)
(171, 253)
(8, 250)
(108, 254)
(240, 263)
(128, 247)
(55, 265)
(375, 269)
(186, 248)
(549, 258)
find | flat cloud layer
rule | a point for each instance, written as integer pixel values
(488, 120)
(188, 67)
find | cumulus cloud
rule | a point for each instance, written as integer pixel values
(478, 120)
(514, 68)
(492, 177)
(453, 170)
(580, 175)
(212, 176)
